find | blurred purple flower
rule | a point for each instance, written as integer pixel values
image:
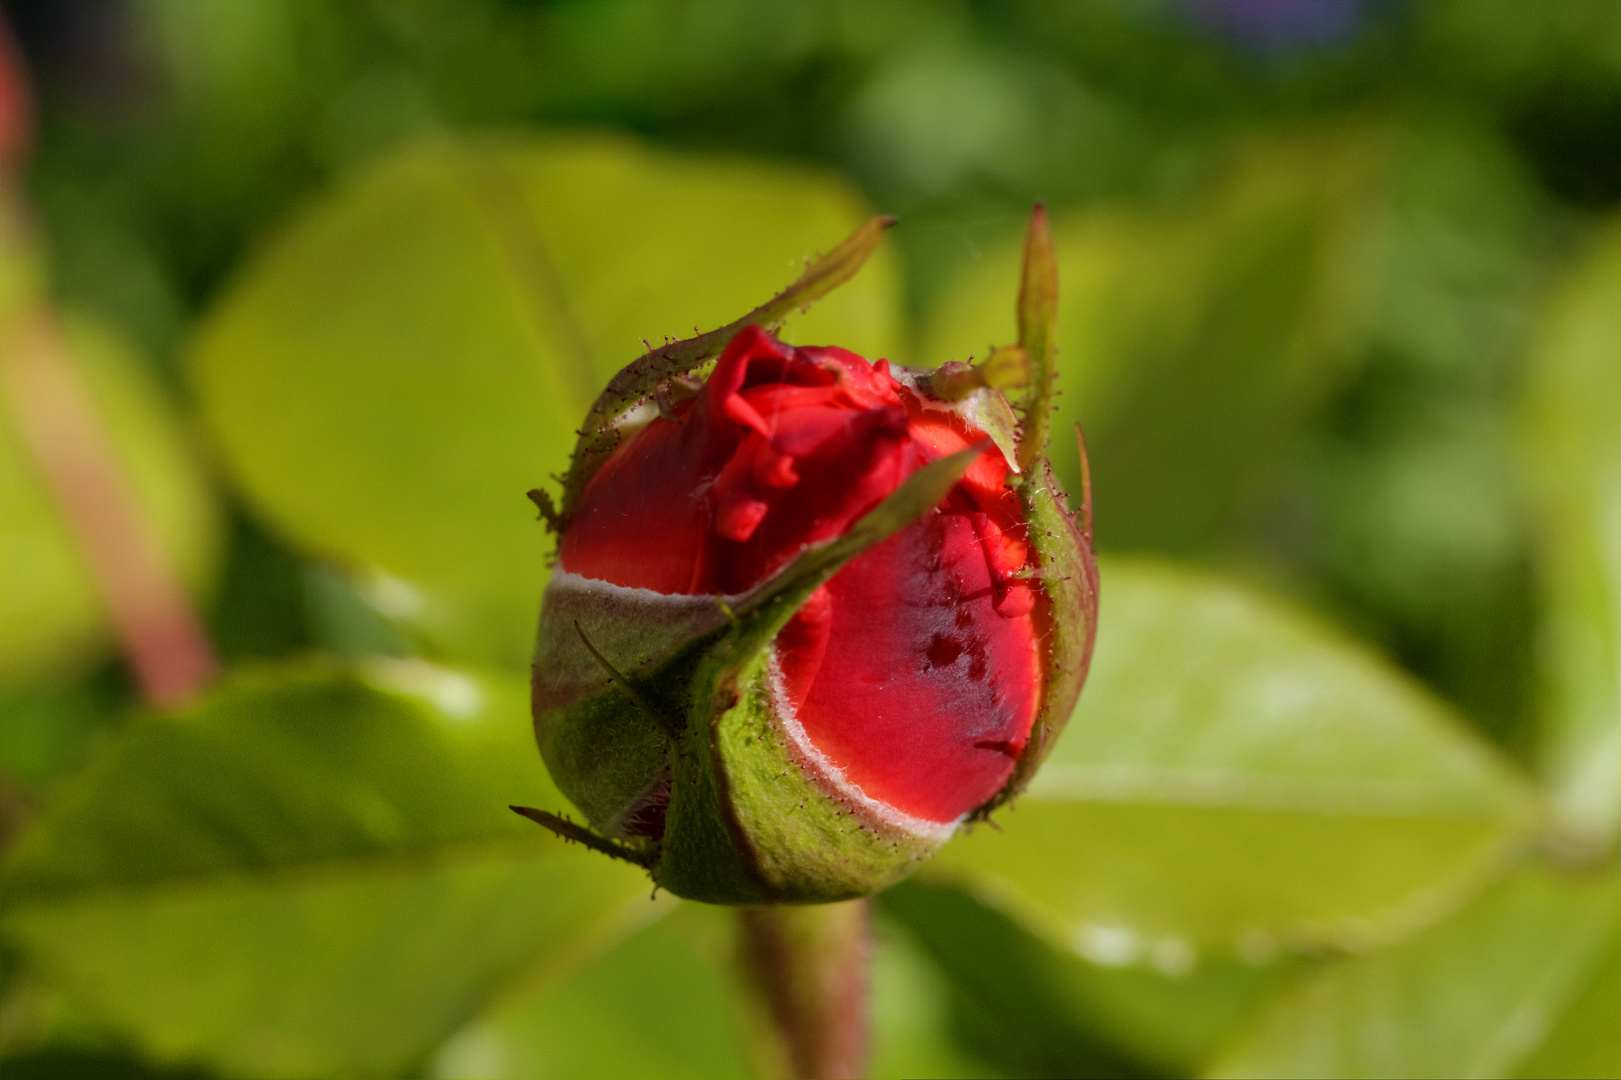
(1269, 25)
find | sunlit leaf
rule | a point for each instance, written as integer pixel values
(1573, 441)
(670, 1001)
(1476, 995)
(1191, 343)
(313, 873)
(52, 621)
(664, 1002)
(1037, 1010)
(414, 354)
(1583, 1041)
(1237, 778)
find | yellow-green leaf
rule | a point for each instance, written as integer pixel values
(416, 352)
(1238, 778)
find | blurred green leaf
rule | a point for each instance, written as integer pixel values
(1041, 1011)
(45, 735)
(1572, 438)
(662, 1003)
(253, 91)
(1396, 501)
(1451, 251)
(64, 1064)
(912, 1006)
(52, 622)
(1191, 342)
(1583, 1041)
(1503, 46)
(669, 1001)
(1013, 998)
(312, 873)
(1476, 995)
(1238, 778)
(389, 379)
(261, 611)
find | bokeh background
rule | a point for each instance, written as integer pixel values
(1341, 319)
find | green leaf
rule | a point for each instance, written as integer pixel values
(1583, 1041)
(418, 351)
(1192, 342)
(52, 621)
(61, 1063)
(1238, 778)
(664, 1002)
(1476, 995)
(1040, 1011)
(669, 1001)
(1572, 440)
(1405, 477)
(912, 1012)
(45, 736)
(312, 873)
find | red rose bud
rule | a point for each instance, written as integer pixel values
(813, 613)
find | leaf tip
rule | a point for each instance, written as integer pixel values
(566, 830)
(1084, 514)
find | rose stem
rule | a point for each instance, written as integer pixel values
(60, 429)
(161, 635)
(811, 967)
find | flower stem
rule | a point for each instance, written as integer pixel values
(810, 966)
(161, 633)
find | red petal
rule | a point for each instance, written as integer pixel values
(914, 670)
(802, 644)
(924, 693)
(653, 478)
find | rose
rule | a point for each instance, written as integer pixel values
(774, 663)
(911, 678)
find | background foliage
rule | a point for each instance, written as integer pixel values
(1339, 318)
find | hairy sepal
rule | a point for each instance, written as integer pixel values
(608, 751)
(984, 409)
(1066, 613)
(752, 820)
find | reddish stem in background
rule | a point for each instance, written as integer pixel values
(15, 113)
(811, 965)
(161, 635)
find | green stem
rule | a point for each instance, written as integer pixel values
(810, 966)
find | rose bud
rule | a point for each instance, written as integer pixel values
(811, 613)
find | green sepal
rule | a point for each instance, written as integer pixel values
(749, 824)
(1037, 313)
(1067, 586)
(607, 750)
(1066, 570)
